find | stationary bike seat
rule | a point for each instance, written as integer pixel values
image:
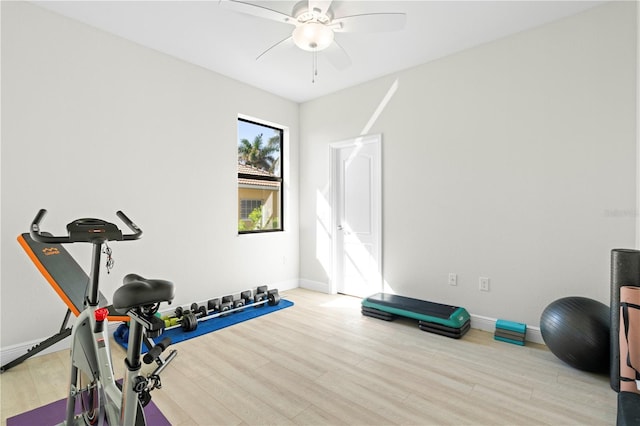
(138, 291)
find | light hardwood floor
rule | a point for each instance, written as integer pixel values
(321, 362)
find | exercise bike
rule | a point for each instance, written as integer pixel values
(92, 382)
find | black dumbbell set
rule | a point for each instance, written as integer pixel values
(188, 318)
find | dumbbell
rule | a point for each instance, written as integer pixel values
(194, 309)
(216, 305)
(188, 321)
(213, 305)
(261, 294)
(247, 296)
(199, 311)
(226, 304)
(244, 300)
(271, 296)
(184, 317)
(232, 303)
(261, 289)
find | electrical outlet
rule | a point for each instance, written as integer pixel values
(453, 279)
(484, 284)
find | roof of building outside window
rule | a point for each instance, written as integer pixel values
(251, 170)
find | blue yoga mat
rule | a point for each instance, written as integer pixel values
(178, 335)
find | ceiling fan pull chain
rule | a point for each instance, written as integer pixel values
(314, 66)
(314, 63)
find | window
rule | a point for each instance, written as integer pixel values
(247, 206)
(259, 177)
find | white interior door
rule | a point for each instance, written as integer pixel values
(357, 260)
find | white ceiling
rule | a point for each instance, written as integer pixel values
(208, 34)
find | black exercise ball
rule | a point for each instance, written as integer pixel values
(576, 330)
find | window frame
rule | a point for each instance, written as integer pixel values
(279, 179)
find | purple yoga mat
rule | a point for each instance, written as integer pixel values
(53, 414)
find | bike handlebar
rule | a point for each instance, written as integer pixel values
(37, 235)
(137, 232)
(35, 231)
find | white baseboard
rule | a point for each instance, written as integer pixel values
(489, 324)
(315, 286)
(286, 285)
(16, 351)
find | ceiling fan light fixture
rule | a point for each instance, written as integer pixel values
(312, 36)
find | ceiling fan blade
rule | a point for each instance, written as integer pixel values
(281, 42)
(370, 22)
(259, 11)
(337, 56)
(321, 5)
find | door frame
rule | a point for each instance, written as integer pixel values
(335, 148)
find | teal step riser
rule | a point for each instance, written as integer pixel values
(515, 342)
(511, 326)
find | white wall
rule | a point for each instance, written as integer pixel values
(91, 124)
(637, 212)
(514, 160)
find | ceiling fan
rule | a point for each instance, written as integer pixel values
(315, 26)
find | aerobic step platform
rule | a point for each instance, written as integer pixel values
(510, 332)
(446, 320)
